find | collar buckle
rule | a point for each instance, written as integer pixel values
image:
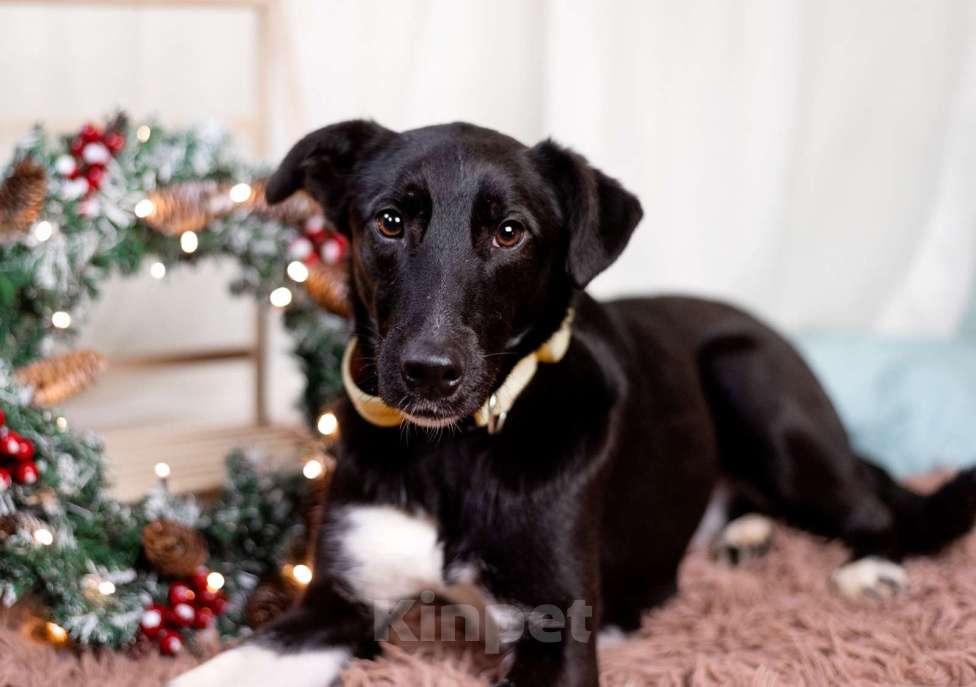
(496, 416)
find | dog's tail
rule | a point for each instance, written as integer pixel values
(925, 523)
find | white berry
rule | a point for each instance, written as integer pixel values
(300, 249)
(152, 619)
(66, 165)
(96, 154)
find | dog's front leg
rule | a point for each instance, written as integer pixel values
(306, 648)
(557, 648)
(370, 557)
(544, 602)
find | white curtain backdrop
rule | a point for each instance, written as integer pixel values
(814, 161)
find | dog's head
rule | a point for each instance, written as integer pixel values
(466, 248)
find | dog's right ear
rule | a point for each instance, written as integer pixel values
(598, 212)
(322, 163)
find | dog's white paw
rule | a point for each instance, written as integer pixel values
(871, 576)
(748, 536)
(257, 666)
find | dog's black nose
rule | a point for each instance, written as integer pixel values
(431, 372)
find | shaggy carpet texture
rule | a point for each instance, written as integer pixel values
(773, 622)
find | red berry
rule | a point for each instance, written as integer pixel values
(218, 603)
(90, 133)
(179, 593)
(206, 598)
(315, 228)
(3, 418)
(151, 622)
(25, 451)
(95, 176)
(5, 480)
(182, 615)
(10, 444)
(170, 642)
(76, 146)
(199, 580)
(204, 618)
(26, 473)
(114, 141)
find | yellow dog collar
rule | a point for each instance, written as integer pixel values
(492, 414)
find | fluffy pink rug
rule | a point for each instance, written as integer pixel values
(774, 622)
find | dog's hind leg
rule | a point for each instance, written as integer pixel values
(782, 444)
(743, 538)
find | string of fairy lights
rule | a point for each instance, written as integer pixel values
(313, 468)
(239, 193)
(189, 242)
(178, 199)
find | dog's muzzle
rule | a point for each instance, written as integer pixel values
(495, 410)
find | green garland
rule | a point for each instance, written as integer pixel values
(60, 269)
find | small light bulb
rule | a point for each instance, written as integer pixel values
(143, 133)
(106, 587)
(43, 230)
(43, 536)
(157, 270)
(302, 574)
(62, 423)
(61, 319)
(162, 470)
(240, 192)
(297, 271)
(215, 581)
(56, 633)
(312, 469)
(144, 208)
(189, 241)
(328, 423)
(280, 297)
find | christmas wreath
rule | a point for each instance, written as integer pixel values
(121, 198)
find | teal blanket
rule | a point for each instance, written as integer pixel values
(909, 404)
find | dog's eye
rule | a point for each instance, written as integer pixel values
(509, 234)
(390, 223)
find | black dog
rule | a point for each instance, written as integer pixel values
(572, 447)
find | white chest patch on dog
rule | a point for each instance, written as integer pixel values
(387, 554)
(257, 666)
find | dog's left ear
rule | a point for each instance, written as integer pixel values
(323, 162)
(599, 213)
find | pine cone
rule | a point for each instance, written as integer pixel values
(9, 525)
(13, 523)
(192, 205)
(45, 497)
(173, 549)
(188, 206)
(295, 209)
(268, 602)
(21, 198)
(59, 378)
(328, 285)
